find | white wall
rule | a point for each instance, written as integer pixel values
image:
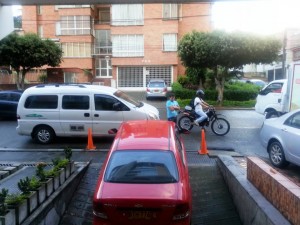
(6, 21)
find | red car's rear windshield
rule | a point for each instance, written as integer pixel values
(142, 167)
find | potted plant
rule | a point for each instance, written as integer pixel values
(36, 185)
(68, 155)
(31, 196)
(60, 170)
(7, 217)
(17, 202)
(41, 174)
(54, 174)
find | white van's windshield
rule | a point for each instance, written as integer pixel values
(127, 98)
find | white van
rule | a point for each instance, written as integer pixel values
(66, 110)
(272, 99)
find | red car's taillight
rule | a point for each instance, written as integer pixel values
(182, 211)
(98, 210)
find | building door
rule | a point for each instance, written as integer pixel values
(138, 77)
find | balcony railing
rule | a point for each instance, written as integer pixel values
(102, 50)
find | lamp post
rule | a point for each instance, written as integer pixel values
(274, 70)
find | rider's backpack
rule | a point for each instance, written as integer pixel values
(191, 104)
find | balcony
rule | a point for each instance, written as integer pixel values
(100, 50)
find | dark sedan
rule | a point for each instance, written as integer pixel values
(8, 103)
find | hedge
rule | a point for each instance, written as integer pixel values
(246, 94)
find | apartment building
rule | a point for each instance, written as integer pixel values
(117, 45)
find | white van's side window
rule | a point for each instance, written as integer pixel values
(106, 103)
(76, 102)
(41, 102)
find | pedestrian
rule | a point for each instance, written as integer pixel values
(172, 108)
(199, 104)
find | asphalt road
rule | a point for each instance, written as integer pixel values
(242, 138)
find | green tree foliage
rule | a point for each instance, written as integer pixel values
(29, 51)
(221, 51)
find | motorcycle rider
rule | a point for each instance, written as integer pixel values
(199, 104)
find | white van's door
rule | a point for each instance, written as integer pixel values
(270, 97)
(75, 114)
(107, 113)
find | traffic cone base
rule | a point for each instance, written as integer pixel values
(203, 149)
(90, 145)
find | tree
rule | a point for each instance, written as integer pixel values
(29, 51)
(220, 52)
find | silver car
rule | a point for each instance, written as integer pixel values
(156, 88)
(281, 137)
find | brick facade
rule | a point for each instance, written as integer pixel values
(196, 16)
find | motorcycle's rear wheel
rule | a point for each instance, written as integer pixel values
(220, 126)
(185, 123)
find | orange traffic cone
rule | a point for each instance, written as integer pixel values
(90, 145)
(203, 150)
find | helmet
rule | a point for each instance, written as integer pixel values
(200, 93)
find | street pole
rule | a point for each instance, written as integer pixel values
(284, 54)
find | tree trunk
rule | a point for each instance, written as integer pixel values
(220, 81)
(23, 79)
(18, 80)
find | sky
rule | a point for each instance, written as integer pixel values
(263, 17)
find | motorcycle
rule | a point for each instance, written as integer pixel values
(219, 126)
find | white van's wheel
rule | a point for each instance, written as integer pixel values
(271, 114)
(43, 135)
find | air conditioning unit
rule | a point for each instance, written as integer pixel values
(98, 83)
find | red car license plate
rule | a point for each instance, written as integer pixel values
(141, 215)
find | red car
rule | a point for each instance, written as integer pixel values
(144, 179)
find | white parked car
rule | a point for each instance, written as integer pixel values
(281, 137)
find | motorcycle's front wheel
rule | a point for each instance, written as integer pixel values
(220, 126)
(185, 123)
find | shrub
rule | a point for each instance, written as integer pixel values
(24, 186)
(68, 153)
(40, 172)
(3, 207)
(34, 183)
(14, 199)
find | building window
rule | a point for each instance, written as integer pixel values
(75, 49)
(103, 67)
(70, 77)
(127, 45)
(128, 15)
(104, 15)
(103, 45)
(170, 42)
(74, 25)
(171, 11)
(39, 9)
(40, 31)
